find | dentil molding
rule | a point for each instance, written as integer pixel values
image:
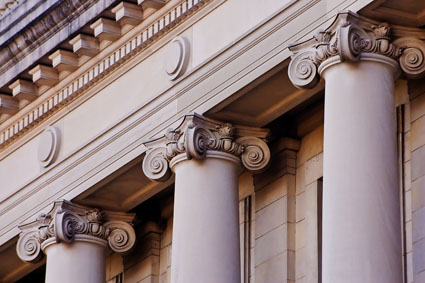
(68, 222)
(350, 36)
(197, 135)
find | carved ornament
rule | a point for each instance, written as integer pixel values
(346, 39)
(177, 57)
(68, 222)
(48, 147)
(196, 135)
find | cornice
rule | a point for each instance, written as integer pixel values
(198, 135)
(350, 36)
(7, 6)
(18, 47)
(68, 222)
(100, 69)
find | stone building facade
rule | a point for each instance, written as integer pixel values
(215, 141)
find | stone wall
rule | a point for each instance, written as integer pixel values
(416, 156)
(309, 172)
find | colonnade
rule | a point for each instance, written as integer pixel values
(359, 59)
(359, 62)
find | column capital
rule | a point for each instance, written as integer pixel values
(352, 38)
(198, 135)
(68, 222)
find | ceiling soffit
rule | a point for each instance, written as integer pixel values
(406, 12)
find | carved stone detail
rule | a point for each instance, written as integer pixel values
(19, 47)
(349, 36)
(197, 135)
(48, 147)
(177, 57)
(66, 221)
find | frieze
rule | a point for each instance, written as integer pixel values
(100, 69)
(33, 36)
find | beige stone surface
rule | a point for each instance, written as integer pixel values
(417, 107)
(418, 263)
(273, 270)
(143, 270)
(311, 145)
(271, 193)
(418, 225)
(114, 265)
(408, 175)
(231, 20)
(117, 99)
(314, 169)
(14, 173)
(270, 245)
(271, 217)
(300, 180)
(409, 263)
(166, 235)
(401, 93)
(418, 193)
(301, 206)
(417, 137)
(408, 116)
(246, 185)
(409, 238)
(408, 205)
(407, 147)
(165, 259)
(418, 163)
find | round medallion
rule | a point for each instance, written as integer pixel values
(48, 146)
(177, 57)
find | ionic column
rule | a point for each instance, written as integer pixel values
(361, 212)
(75, 240)
(206, 157)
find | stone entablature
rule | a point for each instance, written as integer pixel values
(348, 38)
(68, 222)
(18, 48)
(196, 136)
(6, 6)
(97, 71)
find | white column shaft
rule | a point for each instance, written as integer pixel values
(206, 231)
(79, 261)
(361, 212)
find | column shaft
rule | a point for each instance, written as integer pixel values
(361, 205)
(79, 261)
(205, 230)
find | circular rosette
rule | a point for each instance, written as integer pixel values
(302, 71)
(412, 59)
(121, 236)
(29, 247)
(155, 166)
(256, 154)
(197, 141)
(350, 43)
